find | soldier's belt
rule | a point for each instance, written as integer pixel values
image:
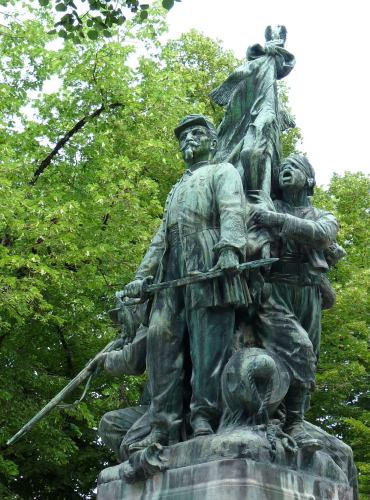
(296, 268)
(295, 273)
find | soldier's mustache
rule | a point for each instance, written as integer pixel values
(188, 144)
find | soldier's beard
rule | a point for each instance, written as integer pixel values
(188, 153)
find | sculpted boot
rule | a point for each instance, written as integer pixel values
(201, 427)
(155, 436)
(294, 423)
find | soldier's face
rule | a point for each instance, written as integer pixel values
(195, 143)
(291, 177)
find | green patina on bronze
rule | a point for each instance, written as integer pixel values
(203, 227)
(221, 355)
(249, 135)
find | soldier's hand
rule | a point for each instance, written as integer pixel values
(272, 47)
(267, 218)
(98, 361)
(134, 289)
(228, 261)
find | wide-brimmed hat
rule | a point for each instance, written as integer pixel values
(191, 120)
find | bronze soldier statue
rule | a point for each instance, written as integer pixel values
(119, 428)
(288, 323)
(203, 227)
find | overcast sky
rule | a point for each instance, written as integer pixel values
(329, 86)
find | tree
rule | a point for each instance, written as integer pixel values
(92, 19)
(341, 401)
(84, 172)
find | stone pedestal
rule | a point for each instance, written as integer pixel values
(234, 465)
(230, 479)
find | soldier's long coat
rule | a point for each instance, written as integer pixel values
(210, 219)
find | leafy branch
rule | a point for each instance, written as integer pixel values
(101, 16)
(61, 143)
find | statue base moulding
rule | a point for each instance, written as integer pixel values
(235, 464)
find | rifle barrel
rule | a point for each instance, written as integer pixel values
(193, 278)
(198, 277)
(70, 387)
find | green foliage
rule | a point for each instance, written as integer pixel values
(291, 135)
(97, 17)
(88, 19)
(75, 235)
(342, 401)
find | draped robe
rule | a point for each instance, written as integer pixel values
(252, 117)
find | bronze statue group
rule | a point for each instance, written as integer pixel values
(237, 201)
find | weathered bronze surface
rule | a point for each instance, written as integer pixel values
(231, 357)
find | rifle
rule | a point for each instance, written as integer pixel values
(85, 374)
(196, 277)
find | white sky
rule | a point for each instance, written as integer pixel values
(329, 86)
